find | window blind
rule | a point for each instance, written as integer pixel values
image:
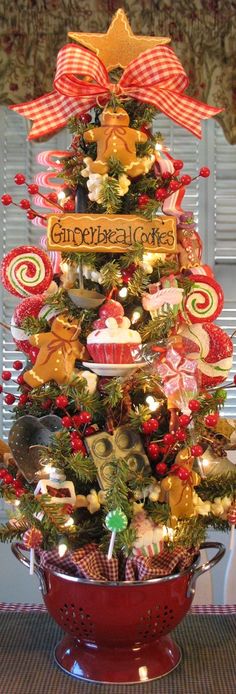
(211, 200)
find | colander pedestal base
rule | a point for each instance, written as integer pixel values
(118, 665)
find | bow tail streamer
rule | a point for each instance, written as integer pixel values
(52, 112)
(183, 110)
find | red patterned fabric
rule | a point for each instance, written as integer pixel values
(155, 77)
(163, 564)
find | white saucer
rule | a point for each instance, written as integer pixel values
(113, 369)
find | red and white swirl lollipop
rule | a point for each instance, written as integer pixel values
(30, 306)
(32, 539)
(204, 301)
(26, 270)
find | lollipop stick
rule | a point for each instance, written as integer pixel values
(31, 562)
(111, 545)
(231, 542)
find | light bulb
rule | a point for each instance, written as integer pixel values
(61, 195)
(69, 523)
(62, 548)
(136, 316)
(158, 146)
(123, 292)
(152, 403)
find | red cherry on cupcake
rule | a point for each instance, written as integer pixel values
(111, 309)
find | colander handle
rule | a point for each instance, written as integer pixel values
(16, 548)
(199, 570)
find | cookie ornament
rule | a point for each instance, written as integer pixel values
(58, 350)
(114, 138)
(177, 488)
(26, 270)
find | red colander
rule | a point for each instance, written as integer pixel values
(118, 632)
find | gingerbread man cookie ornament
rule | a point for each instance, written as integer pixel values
(58, 351)
(114, 138)
(178, 487)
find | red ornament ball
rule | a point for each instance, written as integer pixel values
(33, 189)
(174, 185)
(9, 399)
(153, 450)
(46, 404)
(183, 474)
(23, 399)
(6, 199)
(19, 179)
(84, 418)
(143, 200)
(161, 194)
(184, 420)
(3, 473)
(186, 180)
(52, 197)
(89, 431)
(161, 468)
(69, 206)
(8, 479)
(211, 419)
(128, 272)
(27, 308)
(180, 435)
(20, 380)
(6, 375)
(194, 405)
(25, 204)
(30, 214)
(204, 172)
(61, 401)
(85, 118)
(177, 164)
(169, 439)
(196, 450)
(17, 365)
(67, 422)
(166, 175)
(147, 427)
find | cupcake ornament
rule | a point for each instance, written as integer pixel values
(113, 345)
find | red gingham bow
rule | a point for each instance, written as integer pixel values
(155, 77)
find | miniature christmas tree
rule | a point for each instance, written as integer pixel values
(116, 443)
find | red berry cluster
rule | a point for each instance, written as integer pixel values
(33, 189)
(172, 183)
(9, 398)
(15, 485)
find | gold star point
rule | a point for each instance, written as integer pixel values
(119, 45)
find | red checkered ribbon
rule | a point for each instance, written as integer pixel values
(155, 77)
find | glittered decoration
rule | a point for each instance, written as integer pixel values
(213, 350)
(26, 270)
(204, 301)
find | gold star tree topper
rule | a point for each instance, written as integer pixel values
(119, 45)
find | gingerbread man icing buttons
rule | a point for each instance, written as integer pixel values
(58, 351)
(114, 138)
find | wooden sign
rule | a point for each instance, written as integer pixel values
(110, 233)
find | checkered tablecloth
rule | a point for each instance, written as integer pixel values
(207, 637)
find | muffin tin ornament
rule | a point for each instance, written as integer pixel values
(105, 448)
